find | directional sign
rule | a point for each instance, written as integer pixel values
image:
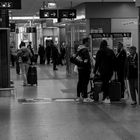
(48, 13)
(10, 4)
(118, 35)
(67, 13)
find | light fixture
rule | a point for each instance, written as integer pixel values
(51, 5)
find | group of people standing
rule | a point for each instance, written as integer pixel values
(51, 53)
(107, 62)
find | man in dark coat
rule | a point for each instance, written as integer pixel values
(48, 51)
(41, 52)
(104, 65)
(55, 55)
(121, 58)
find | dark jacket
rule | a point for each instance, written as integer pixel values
(105, 59)
(121, 58)
(41, 50)
(55, 53)
(133, 66)
(82, 59)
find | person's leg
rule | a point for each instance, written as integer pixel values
(85, 84)
(13, 60)
(136, 85)
(22, 66)
(79, 84)
(17, 67)
(54, 64)
(105, 89)
(132, 89)
(121, 80)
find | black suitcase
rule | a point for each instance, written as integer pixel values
(114, 90)
(32, 75)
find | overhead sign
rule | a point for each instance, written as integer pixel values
(114, 35)
(10, 4)
(48, 13)
(118, 35)
(100, 35)
(61, 13)
(67, 13)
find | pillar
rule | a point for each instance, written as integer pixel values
(4, 50)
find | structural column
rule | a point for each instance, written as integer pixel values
(4, 50)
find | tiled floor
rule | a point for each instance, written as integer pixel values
(63, 120)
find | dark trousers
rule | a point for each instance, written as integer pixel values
(17, 67)
(13, 60)
(121, 80)
(54, 64)
(42, 60)
(48, 58)
(133, 84)
(105, 86)
(83, 80)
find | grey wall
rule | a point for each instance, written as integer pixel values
(111, 10)
(104, 23)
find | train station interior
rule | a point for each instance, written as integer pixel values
(48, 110)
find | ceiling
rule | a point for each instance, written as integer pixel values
(31, 7)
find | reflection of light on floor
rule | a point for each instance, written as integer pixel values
(64, 100)
(44, 100)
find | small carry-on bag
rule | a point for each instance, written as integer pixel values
(96, 90)
(96, 87)
(114, 89)
(32, 75)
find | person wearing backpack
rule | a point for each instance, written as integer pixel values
(24, 55)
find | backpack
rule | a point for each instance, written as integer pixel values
(24, 57)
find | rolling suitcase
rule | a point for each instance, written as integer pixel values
(114, 90)
(32, 75)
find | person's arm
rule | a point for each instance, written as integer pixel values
(97, 62)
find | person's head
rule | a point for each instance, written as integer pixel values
(103, 44)
(85, 41)
(120, 46)
(22, 44)
(132, 50)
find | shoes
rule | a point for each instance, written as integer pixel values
(134, 103)
(24, 84)
(107, 101)
(87, 100)
(78, 99)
